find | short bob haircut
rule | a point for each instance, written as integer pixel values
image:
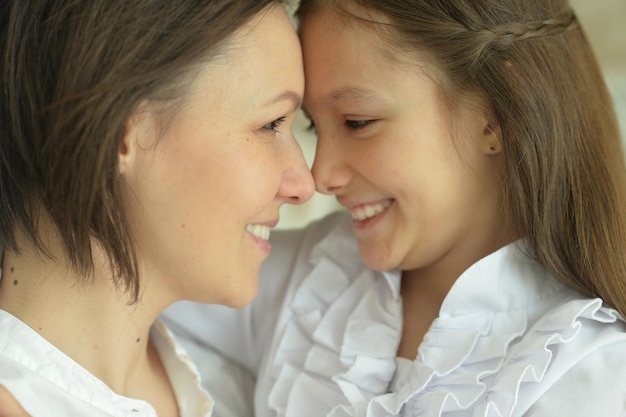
(563, 177)
(73, 72)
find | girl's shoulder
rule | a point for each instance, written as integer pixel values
(569, 362)
(560, 361)
(512, 339)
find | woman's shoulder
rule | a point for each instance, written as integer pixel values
(9, 407)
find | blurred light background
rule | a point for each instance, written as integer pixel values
(603, 21)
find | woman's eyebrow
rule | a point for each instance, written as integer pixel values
(288, 95)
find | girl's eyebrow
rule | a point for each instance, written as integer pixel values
(356, 93)
(351, 93)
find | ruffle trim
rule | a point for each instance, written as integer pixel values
(336, 356)
(340, 344)
(482, 380)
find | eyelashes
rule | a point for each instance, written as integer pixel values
(275, 125)
(349, 124)
(357, 124)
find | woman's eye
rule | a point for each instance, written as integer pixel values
(312, 127)
(357, 124)
(275, 125)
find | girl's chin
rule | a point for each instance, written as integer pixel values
(371, 256)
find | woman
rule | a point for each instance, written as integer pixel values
(146, 150)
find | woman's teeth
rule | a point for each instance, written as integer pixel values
(259, 230)
(369, 211)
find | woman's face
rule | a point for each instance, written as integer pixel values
(420, 196)
(204, 194)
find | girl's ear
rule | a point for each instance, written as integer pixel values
(492, 138)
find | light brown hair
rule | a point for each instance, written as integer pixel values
(73, 71)
(564, 181)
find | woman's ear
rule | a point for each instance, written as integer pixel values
(124, 152)
(135, 132)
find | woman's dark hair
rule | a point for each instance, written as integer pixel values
(564, 182)
(73, 71)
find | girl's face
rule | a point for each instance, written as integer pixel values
(204, 193)
(422, 194)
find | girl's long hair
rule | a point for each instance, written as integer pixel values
(564, 181)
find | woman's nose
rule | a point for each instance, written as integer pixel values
(297, 184)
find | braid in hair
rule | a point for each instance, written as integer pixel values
(502, 36)
(481, 39)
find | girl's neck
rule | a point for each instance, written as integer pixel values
(425, 289)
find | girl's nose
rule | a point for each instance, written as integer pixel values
(330, 171)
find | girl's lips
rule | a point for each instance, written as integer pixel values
(362, 223)
(367, 211)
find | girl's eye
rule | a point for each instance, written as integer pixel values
(357, 124)
(275, 125)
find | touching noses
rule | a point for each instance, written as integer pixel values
(330, 172)
(296, 185)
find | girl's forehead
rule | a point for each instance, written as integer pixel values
(352, 40)
(369, 35)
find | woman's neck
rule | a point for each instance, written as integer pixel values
(88, 319)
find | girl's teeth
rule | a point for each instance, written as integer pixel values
(369, 211)
(259, 231)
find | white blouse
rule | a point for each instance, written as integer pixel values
(323, 333)
(47, 383)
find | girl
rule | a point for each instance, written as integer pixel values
(476, 149)
(146, 151)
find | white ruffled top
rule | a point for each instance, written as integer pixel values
(510, 340)
(498, 334)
